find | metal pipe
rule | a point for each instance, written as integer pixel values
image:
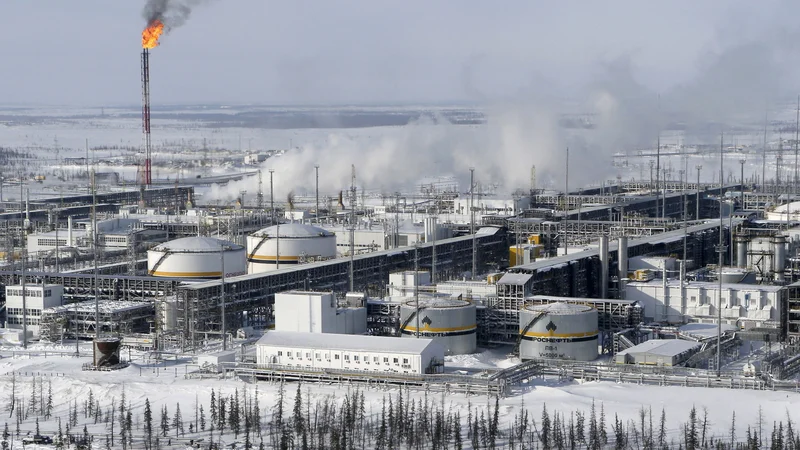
(721, 250)
(622, 264)
(472, 221)
(95, 247)
(603, 266)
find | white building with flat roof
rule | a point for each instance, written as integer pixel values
(744, 305)
(317, 312)
(349, 352)
(37, 298)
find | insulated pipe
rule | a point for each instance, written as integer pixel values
(69, 231)
(604, 267)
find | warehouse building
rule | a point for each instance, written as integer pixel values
(349, 352)
(658, 352)
(319, 312)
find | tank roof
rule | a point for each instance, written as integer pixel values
(293, 230)
(197, 244)
(438, 302)
(560, 308)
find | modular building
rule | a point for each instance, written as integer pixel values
(658, 352)
(37, 298)
(349, 352)
(317, 312)
(744, 305)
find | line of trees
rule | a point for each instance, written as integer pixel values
(349, 422)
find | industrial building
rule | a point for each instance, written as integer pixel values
(37, 298)
(744, 305)
(319, 312)
(349, 352)
(658, 352)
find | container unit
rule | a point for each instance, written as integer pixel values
(450, 322)
(196, 257)
(558, 330)
(286, 244)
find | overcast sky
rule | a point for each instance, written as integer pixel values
(86, 52)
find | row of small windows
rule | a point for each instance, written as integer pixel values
(119, 239)
(356, 358)
(18, 312)
(51, 242)
(18, 320)
(28, 293)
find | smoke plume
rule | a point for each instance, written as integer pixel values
(173, 13)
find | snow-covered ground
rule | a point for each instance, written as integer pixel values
(164, 384)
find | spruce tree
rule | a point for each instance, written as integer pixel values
(164, 421)
(148, 423)
(202, 419)
(177, 420)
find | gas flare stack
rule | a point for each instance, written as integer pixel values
(150, 37)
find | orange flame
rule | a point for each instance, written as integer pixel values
(151, 34)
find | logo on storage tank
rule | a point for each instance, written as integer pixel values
(426, 322)
(551, 327)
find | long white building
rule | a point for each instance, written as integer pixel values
(745, 305)
(349, 352)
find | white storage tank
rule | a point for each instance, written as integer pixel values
(558, 331)
(196, 257)
(296, 243)
(448, 321)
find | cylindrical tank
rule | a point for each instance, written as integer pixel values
(450, 322)
(196, 257)
(603, 266)
(106, 352)
(741, 251)
(296, 242)
(779, 261)
(558, 330)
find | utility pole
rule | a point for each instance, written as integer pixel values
(721, 248)
(353, 204)
(697, 205)
(652, 164)
(566, 201)
(271, 197)
(23, 258)
(658, 169)
(741, 192)
(416, 285)
(222, 295)
(316, 211)
(764, 153)
(96, 249)
(260, 196)
(472, 221)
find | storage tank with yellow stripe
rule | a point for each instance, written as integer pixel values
(448, 321)
(196, 257)
(287, 244)
(558, 331)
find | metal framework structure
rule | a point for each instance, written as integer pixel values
(248, 298)
(81, 319)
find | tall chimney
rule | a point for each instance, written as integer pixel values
(603, 266)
